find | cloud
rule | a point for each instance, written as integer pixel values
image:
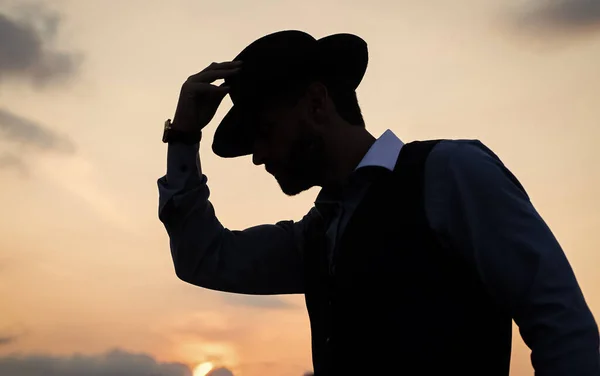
(226, 372)
(27, 53)
(17, 131)
(7, 340)
(26, 47)
(20, 130)
(11, 334)
(255, 301)
(113, 363)
(15, 162)
(560, 16)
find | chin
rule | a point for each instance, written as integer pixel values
(293, 188)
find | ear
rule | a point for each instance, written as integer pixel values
(318, 98)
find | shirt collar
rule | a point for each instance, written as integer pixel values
(383, 153)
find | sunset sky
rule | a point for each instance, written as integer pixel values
(86, 279)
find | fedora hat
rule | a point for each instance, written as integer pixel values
(272, 65)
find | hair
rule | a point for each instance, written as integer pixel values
(346, 104)
(345, 100)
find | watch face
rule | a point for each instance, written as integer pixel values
(166, 129)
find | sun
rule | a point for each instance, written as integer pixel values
(203, 369)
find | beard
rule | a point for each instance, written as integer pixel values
(304, 165)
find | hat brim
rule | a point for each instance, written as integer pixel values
(229, 141)
(346, 55)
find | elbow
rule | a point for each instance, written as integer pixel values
(184, 272)
(189, 271)
(181, 273)
(185, 256)
(196, 260)
(187, 274)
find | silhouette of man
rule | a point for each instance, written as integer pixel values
(415, 257)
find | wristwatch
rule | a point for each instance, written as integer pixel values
(171, 135)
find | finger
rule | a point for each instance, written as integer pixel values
(193, 88)
(221, 66)
(212, 75)
(222, 89)
(224, 65)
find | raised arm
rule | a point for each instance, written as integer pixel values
(264, 259)
(479, 206)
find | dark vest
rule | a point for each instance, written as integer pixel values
(398, 302)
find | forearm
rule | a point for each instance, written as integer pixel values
(548, 306)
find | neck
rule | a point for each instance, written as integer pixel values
(346, 148)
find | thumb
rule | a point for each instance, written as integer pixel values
(222, 90)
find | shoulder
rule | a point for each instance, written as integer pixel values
(464, 159)
(462, 154)
(468, 166)
(466, 182)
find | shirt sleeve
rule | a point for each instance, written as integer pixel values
(265, 259)
(479, 207)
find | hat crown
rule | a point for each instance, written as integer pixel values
(272, 61)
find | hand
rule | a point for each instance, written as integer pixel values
(199, 98)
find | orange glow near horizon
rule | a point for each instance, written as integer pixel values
(203, 369)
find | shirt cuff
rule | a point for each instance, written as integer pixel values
(183, 163)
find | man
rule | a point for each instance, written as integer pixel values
(415, 257)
